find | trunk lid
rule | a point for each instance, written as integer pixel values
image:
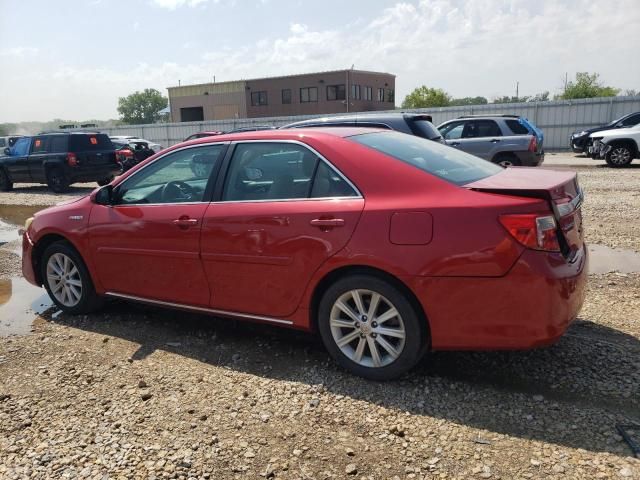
(559, 188)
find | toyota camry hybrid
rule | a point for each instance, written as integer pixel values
(386, 244)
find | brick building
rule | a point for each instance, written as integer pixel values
(320, 93)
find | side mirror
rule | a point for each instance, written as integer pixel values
(7, 151)
(104, 196)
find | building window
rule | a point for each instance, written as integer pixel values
(258, 98)
(368, 93)
(286, 95)
(308, 94)
(381, 94)
(355, 92)
(390, 96)
(335, 92)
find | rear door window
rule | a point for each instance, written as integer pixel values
(89, 142)
(516, 127)
(58, 144)
(434, 158)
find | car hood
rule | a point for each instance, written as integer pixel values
(593, 129)
(616, 132)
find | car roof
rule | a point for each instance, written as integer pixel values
(286, 134)
(363, 116)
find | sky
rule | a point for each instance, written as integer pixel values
(72, 59)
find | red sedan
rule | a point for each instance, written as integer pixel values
(386, 244)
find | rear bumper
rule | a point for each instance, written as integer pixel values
(27, 262)
(93, 173)
(529, 307)
(530, 159)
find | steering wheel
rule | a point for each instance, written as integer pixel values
(177, 190)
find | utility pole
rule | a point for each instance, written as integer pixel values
(517, 89)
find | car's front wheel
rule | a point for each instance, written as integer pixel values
(619, 156)
(370, 327)
(67, 280)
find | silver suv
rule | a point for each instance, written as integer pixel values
(508, 140)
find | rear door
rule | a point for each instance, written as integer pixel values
(283, 210)
(147, 244)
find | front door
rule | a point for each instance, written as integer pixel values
(16, 163)
(283, 211)
(147, 244)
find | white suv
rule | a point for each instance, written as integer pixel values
(618, 147)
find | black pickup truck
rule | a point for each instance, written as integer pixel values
(59, 159)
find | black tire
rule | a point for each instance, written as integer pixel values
(57, 181)
(106, 181)
(415, 341)
(5, 183)
(619, 156)
(507, 160)
(89, 301)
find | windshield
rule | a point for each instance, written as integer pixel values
(440, 160)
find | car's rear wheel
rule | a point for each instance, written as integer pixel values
(619, 156)
(507, 160)
(5, 183)
(57, 180)
(370, 327)
(67, 280)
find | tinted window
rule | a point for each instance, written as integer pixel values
(269, 171)
(286, 95)
(21, 147)
(516, 127)
(58, 143)
(178, 177)
(39, 145)
(439, 160)
(84, 143)
(632, 120)
(481, 128)
(327, 183)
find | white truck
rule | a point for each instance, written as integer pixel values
(618, 147)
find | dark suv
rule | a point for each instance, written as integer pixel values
(59, 159)
(412, 123)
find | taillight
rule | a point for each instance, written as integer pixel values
(533, 144)
(72, 160)
(533, 230)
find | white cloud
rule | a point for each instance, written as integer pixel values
(18, 52)
(173, 4)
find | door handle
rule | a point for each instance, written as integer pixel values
(185, 222)
(327, 222)
(495, 140)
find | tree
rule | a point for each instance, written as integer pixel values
(632, 93)
(587, 85)
(468, 101)
(426, 97)
(508, 99)
(540, 97)
(141, 107)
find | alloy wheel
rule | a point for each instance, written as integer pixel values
(620, 156)
(64, 280)
(367, 328)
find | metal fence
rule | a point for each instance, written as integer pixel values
(557, 119)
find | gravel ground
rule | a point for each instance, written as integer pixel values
(137, 392)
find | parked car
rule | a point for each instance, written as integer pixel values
(508, 140)
(212, 133)
(8, 141)
(618, 146)
(156, 147)
(411, 123)
(130, 153)
(447, 252)
(580, 141)
(59, 159)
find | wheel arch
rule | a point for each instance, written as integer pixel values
(630, 142)
(341, 272)
(41, 245)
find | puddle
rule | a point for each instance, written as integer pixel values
(604, 260)
(12, 217)
(20, 304)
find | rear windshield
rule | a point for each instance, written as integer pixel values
(85, 143)
(425, 129)
(439, 160)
